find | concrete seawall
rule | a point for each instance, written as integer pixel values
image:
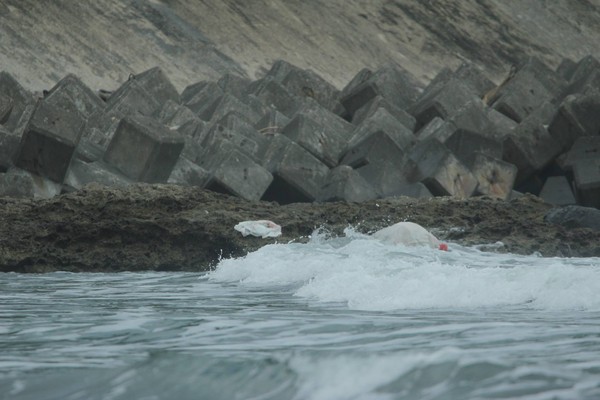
(104, 41)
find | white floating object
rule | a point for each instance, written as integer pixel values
(260, 228)
(409, 234)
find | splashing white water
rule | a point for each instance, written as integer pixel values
(370, 275)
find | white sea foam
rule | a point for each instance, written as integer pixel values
(369, 275)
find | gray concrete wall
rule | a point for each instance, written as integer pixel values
(103, 41)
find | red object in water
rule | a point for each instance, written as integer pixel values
(443, 247)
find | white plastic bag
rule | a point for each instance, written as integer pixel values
(260, 228)
(409, 234)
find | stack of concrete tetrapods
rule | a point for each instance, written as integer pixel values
(290, 136)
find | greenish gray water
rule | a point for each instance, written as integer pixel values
(348, 318)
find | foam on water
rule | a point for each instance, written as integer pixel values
(370, 275)
(345, 318)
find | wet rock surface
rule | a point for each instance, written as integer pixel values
(169, 227)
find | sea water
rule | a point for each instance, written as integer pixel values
(343, 318)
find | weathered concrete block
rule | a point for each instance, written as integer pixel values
(175, 115)
(530, 147)
(271, 123)
(234, 84)
(548, 77)
(9, 145)
(587, 181)
(443, 76)
(437, 129)
(523, 98)
(304, 83)
(557, 191)
(23, 184)
(256, 105)
(273, 94)
(143, 149)
(566, 68)
(192, 150)
(326, 118)
(24, 120)
(132, 98)
(466, 73)
(442, 102)
(192, 90)
(387, 177)
(379, 102)
(416, 190)
(101, 126)
(20, 100)
(236, 121)
(474, 77)
(324, 143)
(194, 132)
(88, 151)
(278, 144)
(157, 84)
(6, 105)
(532, 85)
(584, 148)
(466, 144)
(391, 82)
(212, 153)
(583, 75)
(504, 126)
(239, 175)
(298, 175)
(239, 132)
(188, 173)
(194, 128)
(438, 169)
(97, 137)
(71, 90)
(376, 147)
(204, 99)
(280, 69)
(228, 103)
(345, 184)
(495, 177)
(379, 160)
(362, 76)
(49, 141)
(577, 116)
(81, 173)
(588, 85)
(382, 120)
(474, 116)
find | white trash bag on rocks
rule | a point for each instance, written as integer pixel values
(409, 234)
(260, 228)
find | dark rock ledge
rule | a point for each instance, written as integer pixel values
(168, 227)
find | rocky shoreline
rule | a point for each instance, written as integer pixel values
(167, 227)
(299, 147)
